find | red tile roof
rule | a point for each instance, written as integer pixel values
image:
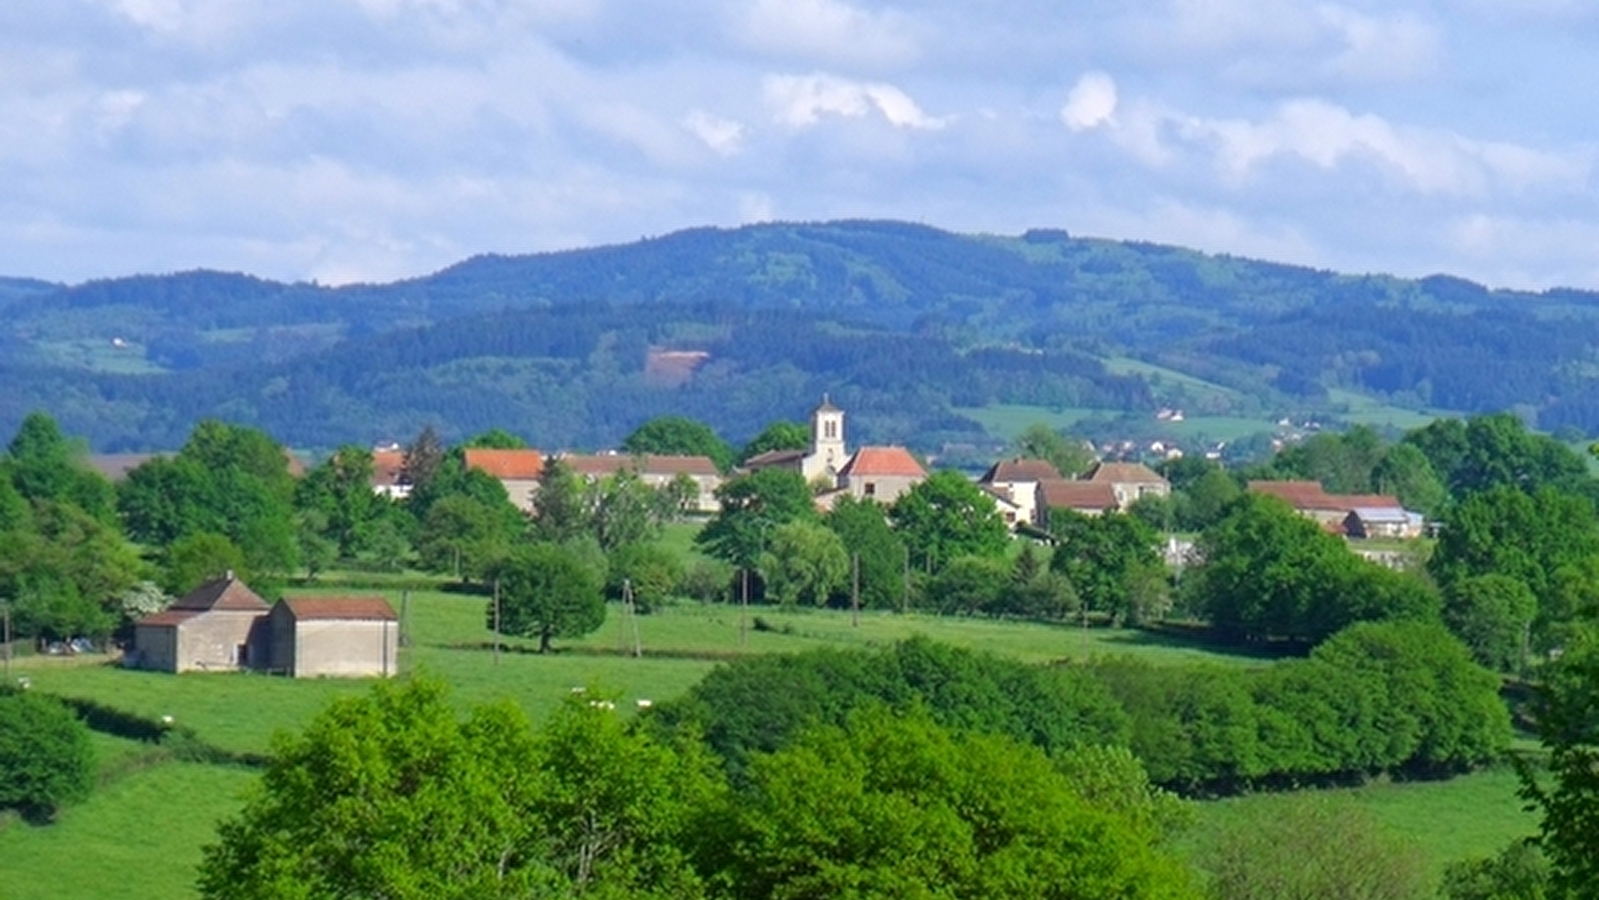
(1019, 469)
(883, 462)
(226, 593)
(507, 465)
(364, 608)
(1078, 495)
(387, 467)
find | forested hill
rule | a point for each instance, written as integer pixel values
(904, 322)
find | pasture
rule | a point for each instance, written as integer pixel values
(140, 834)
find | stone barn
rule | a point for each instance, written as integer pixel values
(213, 628)
(342, 637)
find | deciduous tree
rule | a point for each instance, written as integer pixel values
(948, 516)
(46, 757)
(547, 592)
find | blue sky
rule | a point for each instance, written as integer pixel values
(370, 140)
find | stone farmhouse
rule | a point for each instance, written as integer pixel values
(223, 626)
(1107, 486)
(1014, 483)
(1353, 515)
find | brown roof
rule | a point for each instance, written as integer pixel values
(507, 465)
(387, 467)
(775, 458)
(1019, 469)
(1367, 501)
(365, 608)
(1082, 495)
(647, 464)
(225, 593)
(1309, 495)
(116, 466)
(1124, 473)
(883, 461)
(170, 618)
(1299, 494)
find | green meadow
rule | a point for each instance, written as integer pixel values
(140, 835)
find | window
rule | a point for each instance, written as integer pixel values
(871, 488)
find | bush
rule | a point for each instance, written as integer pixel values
(46, 759)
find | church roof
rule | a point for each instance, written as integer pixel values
(883, 461)
(826, 406)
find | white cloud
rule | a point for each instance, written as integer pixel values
(724, 136)
(1421, 160)
(802, 100)
(825, 31)
(1091, 103)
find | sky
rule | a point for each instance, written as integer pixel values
(373, 140)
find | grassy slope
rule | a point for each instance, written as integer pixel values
(1473, 816)
(146, 827)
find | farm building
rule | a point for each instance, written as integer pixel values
(213, 628)
(311, 637)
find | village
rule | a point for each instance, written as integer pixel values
(223, 625)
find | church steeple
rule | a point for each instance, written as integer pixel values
(828, 453)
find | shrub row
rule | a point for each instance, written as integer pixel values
(1400, 698)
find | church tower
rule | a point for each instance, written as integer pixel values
(827, 442)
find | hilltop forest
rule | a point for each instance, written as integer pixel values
(905, 325)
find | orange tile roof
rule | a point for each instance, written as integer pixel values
(365, 608)
(883, 461)
(507, 465)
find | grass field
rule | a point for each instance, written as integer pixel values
(139, 836)
(1443, 822)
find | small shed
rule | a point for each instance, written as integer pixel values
(213, 628)
(334, 637)
(1382, 522)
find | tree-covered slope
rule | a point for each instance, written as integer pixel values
(907, 321)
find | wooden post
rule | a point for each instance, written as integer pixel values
(744, 609)
(405, 617)
(496, 620)
(855, 590)
(5, 636)
(905, 587)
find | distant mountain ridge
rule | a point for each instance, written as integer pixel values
(554, 344)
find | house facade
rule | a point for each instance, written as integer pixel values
(213, 628)
(517, 470)
(1130, 482)
(1015, 482)
(882, 474)
(333, 637)
(1089, 498)
(655, 471)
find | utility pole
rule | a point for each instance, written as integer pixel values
(496, 620)
(744, 608)
(630, 616)
(5, 636)
(405, 617)
(855, 590)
